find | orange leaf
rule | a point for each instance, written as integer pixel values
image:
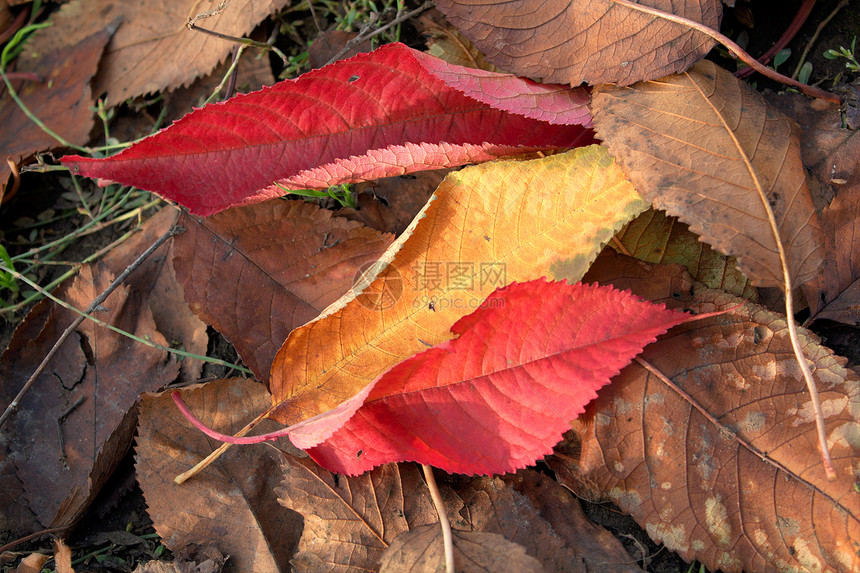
(486, 226)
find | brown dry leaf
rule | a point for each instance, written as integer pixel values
(699, 145)
(835, 294)
(390, 204)
(421, 551)
(329, 44)
(62, 557)
(152, 50)
(155, 282)
(655, 237)
(230, 502)
(32, 563)
(105, 370)
(61, 100)
(447, 42)
(486, 226)
(257, 272)
(745, 490)
(592, 41)
(351, 521)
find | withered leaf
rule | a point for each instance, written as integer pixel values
(655, 237)
(835, 294)
(592, 41)
(351, 521)
(61, 99)
(94, 380)
(706, 148)
(98, 372)
(743, 489)
(230, 502)
(421, 551)
(153, 49)
(256, 272)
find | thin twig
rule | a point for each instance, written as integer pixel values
(363, 35)
(205, 462)
(814, 38)
(447, 540)
(811, 91)
(230, 74)
(790, 32)
(244, 41)
(93, 305)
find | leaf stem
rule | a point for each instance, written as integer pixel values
(447, 540)
(734, 49)
(205, 462)
(226, 438)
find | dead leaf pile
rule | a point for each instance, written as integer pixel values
(437, 319)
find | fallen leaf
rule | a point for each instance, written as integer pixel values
(152, 50)
(486, 226)
(349, 522)
(61, 99)
(256, 272)
(155, 282)
(655, 237)
(421, 550)
(743, 489)
(104, 370)
(835, 293)
(230, 502)
(375, 115)
(62, 557)
(32, 563)
(592, 41)
(499, 396)
(389, 205)
(705, 147)
(328, 44)
(446, 42)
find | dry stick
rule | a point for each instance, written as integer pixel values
(447, 541)
(93, 305)
(736, 50)
(814, 38)
(205, 462)
(790, 32)
(362, 36)
(783, 259)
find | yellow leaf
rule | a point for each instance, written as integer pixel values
(486, 226)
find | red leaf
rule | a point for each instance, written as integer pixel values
(502, 394)
(385, 113)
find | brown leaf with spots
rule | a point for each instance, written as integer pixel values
(229, 503)
(152, 50)
(705, 147)
(592, 41)
(741, 488)
(257, 272)
(61, 98)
